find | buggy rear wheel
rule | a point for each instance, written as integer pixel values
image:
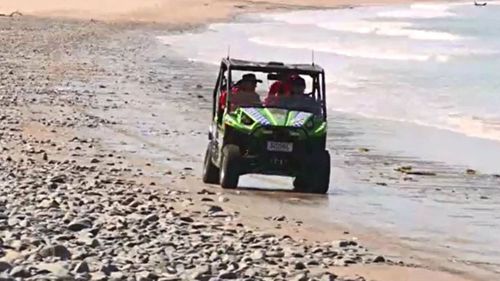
(230, 167)
(210, 171)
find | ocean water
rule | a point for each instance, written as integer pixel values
(433, 64)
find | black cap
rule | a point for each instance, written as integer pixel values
(249, 77)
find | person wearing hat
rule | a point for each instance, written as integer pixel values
(243, 92)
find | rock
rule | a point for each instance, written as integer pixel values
(58, 269)
(421, 173)
(5, 266)
(99, 276)
(56, 251)
(300, 265)
(108, 269)
(223, 199)
(470, 172)
(186, 219)
(279, 218)
(116, 276)
(257, 255)
(59, 179)
(145, 276)
(82, 267)
(404, 169)
(343, 244)
(275, 254)
(151, 218)
(78, 225)
(206, 192)
(202, 272)
(300, 277)
(19, 272)
(214, 209)
(327, 276)
(313, 262)
(379, 259)
(273, 273)
(228, 275)
(5, 277)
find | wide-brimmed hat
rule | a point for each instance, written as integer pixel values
(249, 77)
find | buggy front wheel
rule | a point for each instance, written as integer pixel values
(229, 171)
(316, 175)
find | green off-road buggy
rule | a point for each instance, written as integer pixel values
(286, 139)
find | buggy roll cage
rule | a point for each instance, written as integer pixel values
(273, 69)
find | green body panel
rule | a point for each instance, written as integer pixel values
(250, 119)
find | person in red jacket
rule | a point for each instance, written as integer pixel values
(289, 85)
(281, 86)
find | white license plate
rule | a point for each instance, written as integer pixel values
(280, 146)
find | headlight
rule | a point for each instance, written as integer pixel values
(246, 120)
(309, 124)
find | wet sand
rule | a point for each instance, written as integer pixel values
(137, 103)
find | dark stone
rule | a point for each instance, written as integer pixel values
(59, 179)
(109, 268)
(470, 172)
(343, 244)
(379, 259)
(56, 251)
(300, 266)
(279, 218)
(151, 218)
(214, 209)
(82, 267)
(4, 266)
(186, 219)
(79, 225)
(19, 272)
(228, 275)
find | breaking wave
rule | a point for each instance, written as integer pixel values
(366, 52)
(398, 29)
(420, 11)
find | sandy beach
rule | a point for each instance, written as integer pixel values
(101, 149)
(172, 12)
